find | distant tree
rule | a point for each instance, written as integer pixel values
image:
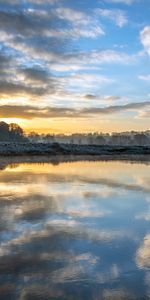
(141, 139)
(100, 140)
(16, 132)
(115, 139)
(90, 139)
(49, 138)
(34, 137)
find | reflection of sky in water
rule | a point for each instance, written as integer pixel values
(75, 230)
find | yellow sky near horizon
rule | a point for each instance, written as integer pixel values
(81, 125)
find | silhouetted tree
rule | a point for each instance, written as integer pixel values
(4, 131)
(11, 133)
(16, 132)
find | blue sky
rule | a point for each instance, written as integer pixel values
(70, 66)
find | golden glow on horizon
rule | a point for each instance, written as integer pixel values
(69, 126)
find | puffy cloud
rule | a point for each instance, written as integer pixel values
(35, 74)
(31, 112)
(80, 21)
(85, 81)
(76, 61)
(13, 89)
(56, 23)
(116, 15)
(38, 42)
(145, 38)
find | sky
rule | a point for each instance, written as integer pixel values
(71, 66)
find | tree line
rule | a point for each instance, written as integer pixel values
(14, 133)
(124, 138)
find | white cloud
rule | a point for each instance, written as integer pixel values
(145, 38)
(60, 67)
(121, 1)
(84, 82)
(145, 77)
(83, 25)
(74, 16)
(116, 15)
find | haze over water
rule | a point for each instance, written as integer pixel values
(75, 230)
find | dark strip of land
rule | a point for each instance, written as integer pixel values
(55, 149)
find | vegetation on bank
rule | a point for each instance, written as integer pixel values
(8, 149)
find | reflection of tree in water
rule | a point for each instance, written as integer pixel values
(13, 166)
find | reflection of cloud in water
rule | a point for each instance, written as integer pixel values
(112, 174)
(143, 253)
(58, 229)
(77, 268)
(73, 178)
(118, 294)
(144, 216)
(36, 292)
(103, 193)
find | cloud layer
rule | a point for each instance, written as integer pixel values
(55, 56)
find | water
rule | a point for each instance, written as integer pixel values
(77, 230)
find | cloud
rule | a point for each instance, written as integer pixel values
(39, 42)
(84, 81)
(83, 24)
(52, 23)
(116, 15)
(100, 97)
(31, 112)
(31, 82)
(13, 89)
(90, 60)
(5, 59)
(35, 74)
(145, 77)
(145, 38)
(28, 1)
(116, 108)
(145, 114)
(25, 23)
(47, 33)
(121, 1)
(51, 2)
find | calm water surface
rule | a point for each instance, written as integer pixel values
(74, 231)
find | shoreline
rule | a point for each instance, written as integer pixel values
(53, 149)
(11, 153)
(56, 160)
